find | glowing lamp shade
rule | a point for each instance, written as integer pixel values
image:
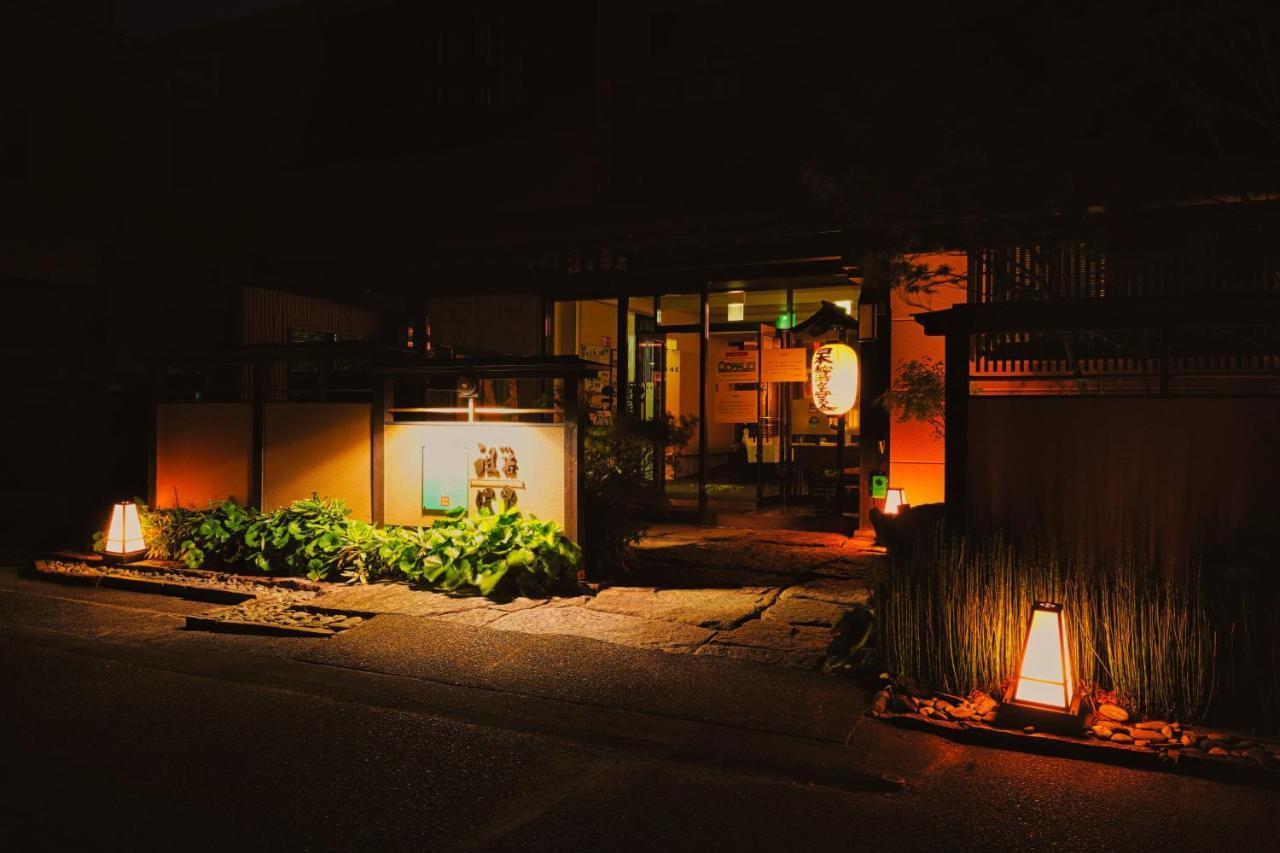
(834, 378)
(894, 500)
(1045, 676)
(124, 532)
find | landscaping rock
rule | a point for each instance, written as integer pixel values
(960, 712)
(1245, 744)
(1193, 752)
(1147, 735)
(1150, 725)
(1120, 737)
(982, 703)
(880, 703)
(990, 717)
(1101, 731)
(1113, 712)
(1217, 750)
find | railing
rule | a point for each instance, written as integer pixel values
(1076, 270)
(1127, 360)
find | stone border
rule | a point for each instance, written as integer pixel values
(1239, 771)
(214, 587)
(221, 624)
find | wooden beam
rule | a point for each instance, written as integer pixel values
(1205, 311)
(956, 442)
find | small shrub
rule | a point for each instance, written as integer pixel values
(492, 554)
(622, 494)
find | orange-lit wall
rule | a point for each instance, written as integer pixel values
(915, 453)
(202, 453)
(1086, 470)
(317, 447)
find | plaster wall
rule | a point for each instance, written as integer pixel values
(203, 453)
(317, 447)
(916, 454)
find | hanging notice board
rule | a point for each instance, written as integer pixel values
(784, 365)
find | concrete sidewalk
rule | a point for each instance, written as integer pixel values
(764, 596)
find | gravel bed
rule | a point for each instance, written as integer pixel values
(286, 615)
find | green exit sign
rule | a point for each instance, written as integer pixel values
(879, 486)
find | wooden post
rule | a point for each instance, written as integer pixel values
(258, 451)
(622, 389)
(875, 363)
(705, 313)
(383, 395)
(575, 431)
(956, 443)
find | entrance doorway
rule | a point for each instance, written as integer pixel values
(755, 451)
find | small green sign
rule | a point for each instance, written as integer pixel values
(879, 486)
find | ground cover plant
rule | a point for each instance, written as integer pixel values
(491, 554)
(1171, 642)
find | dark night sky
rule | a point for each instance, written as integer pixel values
(143, 18)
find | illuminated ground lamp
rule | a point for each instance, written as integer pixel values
(834, 378)
(1043, 694)
(895, 500)
(124, 534)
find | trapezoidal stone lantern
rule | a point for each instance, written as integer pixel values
(123, 541)
(1043, 692)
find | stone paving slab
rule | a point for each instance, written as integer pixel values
(773, 642)
(396, 597)
(804, 611)
(780, 561)
(610, 627)
(706, 608)
(842, 591)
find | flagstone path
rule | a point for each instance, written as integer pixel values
(767, 596)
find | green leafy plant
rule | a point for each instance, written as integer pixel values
(492, 554)
(918, 393)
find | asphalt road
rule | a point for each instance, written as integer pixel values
(123, 731)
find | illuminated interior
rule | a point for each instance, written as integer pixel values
(894, 500)
(1045, 676)
(124, 532)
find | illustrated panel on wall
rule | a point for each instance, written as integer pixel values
(434, 468)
